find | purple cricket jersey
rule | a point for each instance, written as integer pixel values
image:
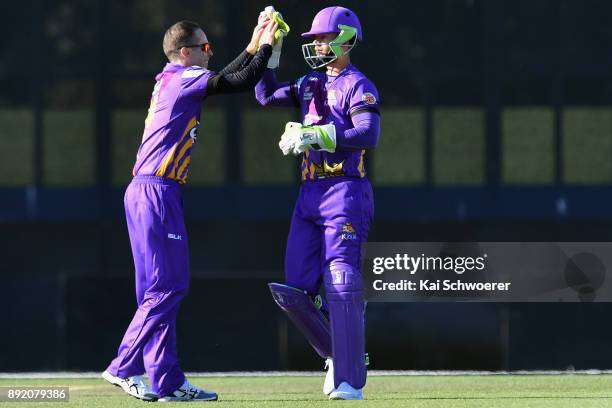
(172, 123)
(158, 236)
(332, 216)
(327, 99)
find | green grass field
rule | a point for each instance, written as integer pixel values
(382, 391)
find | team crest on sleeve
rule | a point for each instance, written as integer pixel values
(368, 98)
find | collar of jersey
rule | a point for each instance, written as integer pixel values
(331, 79)
(170, 67)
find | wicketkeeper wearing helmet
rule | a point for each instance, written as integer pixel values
(331, 219)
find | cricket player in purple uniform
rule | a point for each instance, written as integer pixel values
(331, 219)
(154, 210)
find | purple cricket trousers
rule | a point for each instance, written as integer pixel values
(154, 213)
(330, 222)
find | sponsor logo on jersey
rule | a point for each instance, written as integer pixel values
(307, 94)
(348, 232)
(337, 277)
(331, 97)
(176, 237)
(193, 133)
(325, 170)
(368, 98)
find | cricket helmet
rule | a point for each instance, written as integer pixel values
(338, 20)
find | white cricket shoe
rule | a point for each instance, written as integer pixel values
(188, 392)
(328, 385)
(134, 386)
(346, 392)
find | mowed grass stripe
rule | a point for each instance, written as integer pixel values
(393, 391)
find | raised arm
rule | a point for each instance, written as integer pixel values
(242, 80)
(238, 64)
(245, 57)
(247, 77)
(270, 92)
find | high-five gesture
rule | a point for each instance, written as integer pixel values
(263, 20)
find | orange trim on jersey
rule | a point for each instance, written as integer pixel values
(151, 111)
(164, 166)
(360, 166)
(183, 180)
(182, 169)
(174, 173)
(305, 164)
(170, 156)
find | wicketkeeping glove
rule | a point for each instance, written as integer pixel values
(298, 138)
(283, 29)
